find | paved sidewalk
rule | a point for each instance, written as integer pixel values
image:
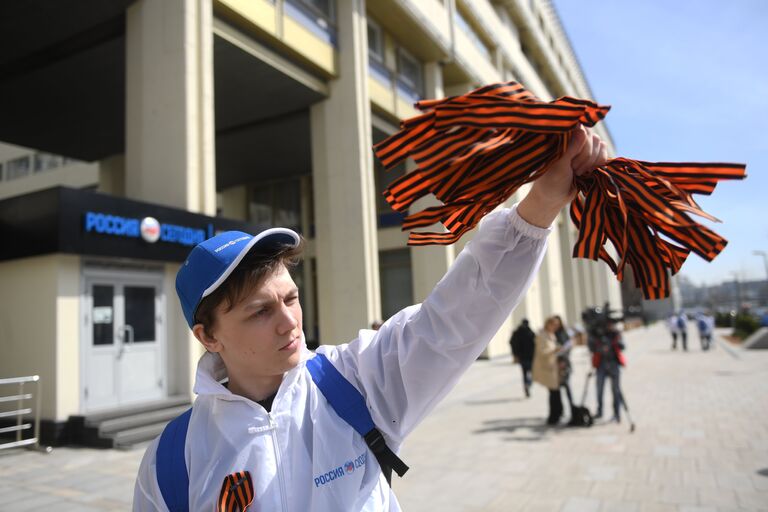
(701, 444)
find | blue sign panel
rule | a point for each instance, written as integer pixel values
(107, 224)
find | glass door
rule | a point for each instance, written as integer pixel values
(123, 341)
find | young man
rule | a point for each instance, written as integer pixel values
(272, 421)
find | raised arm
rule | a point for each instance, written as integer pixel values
(406, 367)
(417, 356)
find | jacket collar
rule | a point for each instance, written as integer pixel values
(211, 373)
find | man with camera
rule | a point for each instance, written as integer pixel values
(606, 344)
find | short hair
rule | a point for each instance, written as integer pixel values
(252, 269)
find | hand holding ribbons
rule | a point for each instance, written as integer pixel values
(474, 151)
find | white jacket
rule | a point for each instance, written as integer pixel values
(301, 455)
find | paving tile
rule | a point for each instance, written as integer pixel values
(581, 505)
(620, 506)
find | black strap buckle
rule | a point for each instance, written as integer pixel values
(386, 458)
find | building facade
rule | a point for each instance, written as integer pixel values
(131, 128)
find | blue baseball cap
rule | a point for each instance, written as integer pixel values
(212, 261)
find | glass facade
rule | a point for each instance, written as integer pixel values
(276, 204)
(396, 281)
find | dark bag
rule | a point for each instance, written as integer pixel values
(580, 415)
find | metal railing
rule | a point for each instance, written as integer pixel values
(21, 398)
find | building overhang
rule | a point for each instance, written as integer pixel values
(62, 75)
(63, 80)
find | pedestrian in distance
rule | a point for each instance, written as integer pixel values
(546, 369)
(523, 344)
(705, 323)
(673, 329)
(607, 359)
(682, 329)
(267, 430)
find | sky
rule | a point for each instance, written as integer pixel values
(687, 81)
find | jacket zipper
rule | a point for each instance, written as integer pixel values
(280, 474)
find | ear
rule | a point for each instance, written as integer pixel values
(210, 343)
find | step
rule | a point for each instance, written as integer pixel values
(132, 436)
(137, 420)
(96, 418)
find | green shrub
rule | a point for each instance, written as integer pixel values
(723, 320)
(744, 325)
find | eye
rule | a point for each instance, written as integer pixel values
(260, 313)
(291, 299)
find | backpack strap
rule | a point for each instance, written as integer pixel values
(350, 405)
(171, 466)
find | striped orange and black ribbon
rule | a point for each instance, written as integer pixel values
(474, 151)
(643, 209)
(236, 493)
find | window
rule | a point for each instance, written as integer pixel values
(102, 317)
(471, 33)
(140, 312)
(410, 73)
(376, 67)
(386, 216)
(276, 204)
(316, 15)
(396, 281)
(375, 42)
(324, 7)
(69, 161)
(46, 161)
(17, 168)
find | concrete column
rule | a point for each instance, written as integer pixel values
(169, 144)
(614, 292)
(429, 263)
(169, 147)
(112, 175)
(581, 283)
(552, 290)
(610, 289)
(345, 210)
(573, 298)
(593, 283)
(602, 281)
(233, 202)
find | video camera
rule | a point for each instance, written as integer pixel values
(596, 320)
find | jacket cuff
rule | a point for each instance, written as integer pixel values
(524, 227)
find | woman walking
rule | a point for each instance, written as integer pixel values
(545, 368)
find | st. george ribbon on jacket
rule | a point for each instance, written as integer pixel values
(472, 152)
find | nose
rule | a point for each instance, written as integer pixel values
(288, 320)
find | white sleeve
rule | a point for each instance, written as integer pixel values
(146, 492)
(406, 367)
